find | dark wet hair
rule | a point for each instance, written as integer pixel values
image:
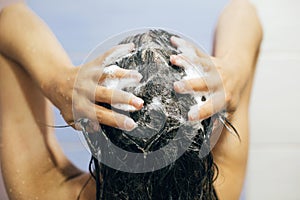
(192, 175)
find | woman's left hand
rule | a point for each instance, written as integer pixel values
(221, 79)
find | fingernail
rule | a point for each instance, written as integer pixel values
(179, 86)
(129, 124)
(173, 38)
(193, 114)
(173, 58)
(137, 102)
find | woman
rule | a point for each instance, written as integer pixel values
(34, 166)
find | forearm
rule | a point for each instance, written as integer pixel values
(27, 40)
(238, 35)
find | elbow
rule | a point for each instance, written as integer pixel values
(260, 30)
(254, 12)
(250, 10)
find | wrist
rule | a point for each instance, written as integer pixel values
(56, 81)
(53, 75)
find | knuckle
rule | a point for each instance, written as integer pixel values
(100, 115)
(104, 94)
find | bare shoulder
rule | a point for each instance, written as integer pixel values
(85, 187)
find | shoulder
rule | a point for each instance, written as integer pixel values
(84, 187)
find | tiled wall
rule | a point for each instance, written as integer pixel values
(275, 132)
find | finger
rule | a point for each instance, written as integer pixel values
(191, 85)
(114, 71)
(111, 55)
(186, 47)
(113, 96)
(209, 108)
(113, 119)
(192, 70)
(181, 61)
(83, 109)
(87, 125)
(180, 43)
(117, 52)
(201, 53)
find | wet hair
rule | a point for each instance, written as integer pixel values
(191, 176)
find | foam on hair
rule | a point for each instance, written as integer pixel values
(191, 176)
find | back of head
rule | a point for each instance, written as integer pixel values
(164, 115)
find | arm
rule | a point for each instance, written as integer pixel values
(34, 65)
(237, 41)
(229, 76)
(32, 162)
(238, 32)
(27, 40)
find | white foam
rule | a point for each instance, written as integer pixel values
(156, 103)
(125, 107)
(110, 69)
(119, 84)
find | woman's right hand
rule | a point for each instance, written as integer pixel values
(76, 92)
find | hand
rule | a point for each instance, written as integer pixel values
(220, 79)
(77, 91)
